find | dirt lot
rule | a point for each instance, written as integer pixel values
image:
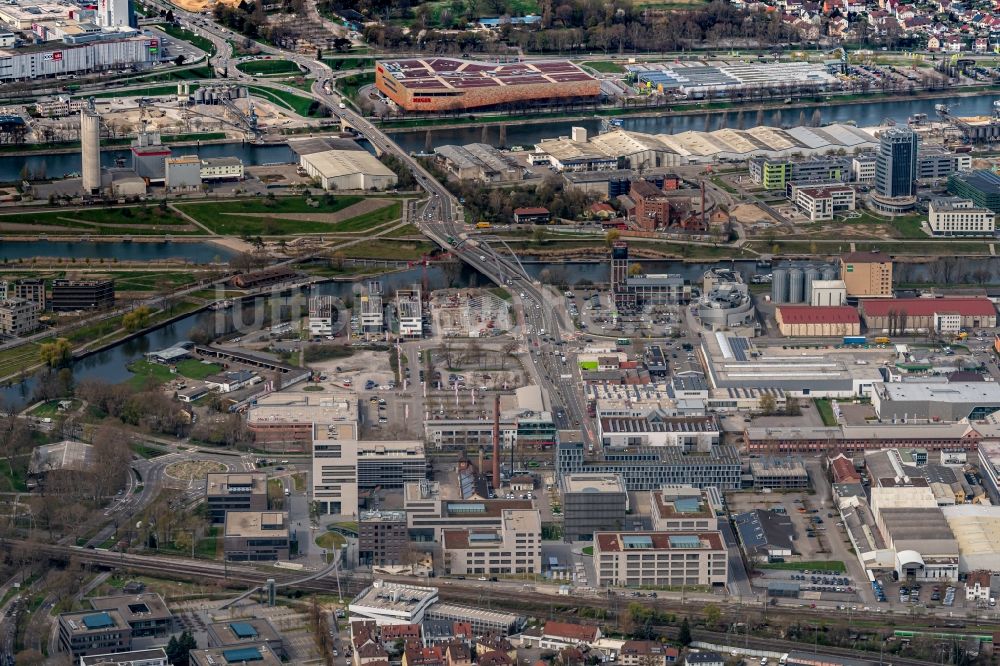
(201, 5)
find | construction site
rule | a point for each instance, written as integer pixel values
(469, 313)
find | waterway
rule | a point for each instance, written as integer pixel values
(864, 115)
(62, 164)
(198, 252)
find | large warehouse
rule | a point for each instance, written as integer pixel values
(449, 84)
(56, 59)
(944, 315)
(339, 164)
(809, 321)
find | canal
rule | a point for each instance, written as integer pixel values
(195, 252)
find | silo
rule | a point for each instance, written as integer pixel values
(795, 279)
(199, 96)
(812, 273)
(90, 150)
(779, 285)
(829, 272)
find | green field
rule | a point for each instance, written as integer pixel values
(604, 66)
(133, 220)
(835, 566)
(15, 359)
(125, 281)
(295, 103)
(224, 218)
(390, 250)
(266, 67)
(342, 64)
(189, 368)
(826, 411)
(350, 85)
(50, 409)
(186, 35)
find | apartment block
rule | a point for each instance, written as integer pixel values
(383, 538)
(514, 547)
(30, 289)
(235, 492)
(657, 559)
(18, 317)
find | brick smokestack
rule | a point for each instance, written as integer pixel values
(496, 442)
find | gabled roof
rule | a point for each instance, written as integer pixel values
(573, 632)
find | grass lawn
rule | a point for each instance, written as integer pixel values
(588, 550)
(341, 64)
(131, 220)
(15, 359)
(371, 219)
(826, 411)
(225, 218)
(51, 408)
(195, 369)
(190, 368)
(331, 541)
(125, 281)
(186, 35)
(835, 566)
(296, 103)
(254, 67)
(350, 85)
(12, 481)
(604, 66)
(391, 250)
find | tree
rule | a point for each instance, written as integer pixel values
(684, 636)
(55, 354)
(137, 319)
(792, 406)
(635, 269)
(712, 615)
(767, 404)
(178, 649)
(539, 234)
(612, 236)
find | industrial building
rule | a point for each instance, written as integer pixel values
(348, 170)
(867, 274)
(221, 168)
(149, 156)
(256, 536)
(901, 315)
(90, 149)
(235, 492)
(937, 402)
(109, 51)
(794, 284)
(809, 321)
(960, 217)
(513, 548)
(765, 535)
(854, 438)
(451, 84)
(828, 293)
(592, 503)
(725, 301)
(479, 161)
(682, 508)
(383, 538)
(634, 150)
(981, 187)
(183, 173)
(70, 295)
(699, 79)
(18, 317)
(657, 559)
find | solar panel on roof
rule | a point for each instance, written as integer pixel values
(243, 629)
(242, 654)
(475, 507)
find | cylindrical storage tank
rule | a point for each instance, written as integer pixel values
(90, 151)
(795, 280)
(199, 96)
(829, 273)
(812, 273)
(779, 286)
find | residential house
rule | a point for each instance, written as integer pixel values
(647, 653)
(457, 653)
(977, 585)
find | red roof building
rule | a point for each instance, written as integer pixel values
(817, 321)
(900, 315)
(571, 634)
(842, 469)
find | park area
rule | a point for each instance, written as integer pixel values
(266, 67)
(126, 220)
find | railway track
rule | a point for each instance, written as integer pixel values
(519, 600)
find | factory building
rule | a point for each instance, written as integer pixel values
(809, 321)
(183, 174)
(924, 314)
(348, 170)
(950, 402)
(828, 293)
(446, 84)
(221, 168)
(479, 161)
(867, 274)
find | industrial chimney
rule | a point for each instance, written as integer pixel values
(496, 442)
(90, 150)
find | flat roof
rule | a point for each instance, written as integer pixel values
(671, 503)
(593, 483)
(336, 163)
(257, 654)
(983, 179)
(134, 607)
(113, 659)
(633, 541)
(958, 392)
(84, 622)
(394, 596)
(436, 74)
(256, 524)
(224, 483)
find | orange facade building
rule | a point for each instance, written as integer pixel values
(450, 84)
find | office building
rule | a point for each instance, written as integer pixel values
(409, 313)
(294, 419)
(981, 187)
(244, 632)
(690, 433)
(822, 203)
(650, 467)
(960, 217)
(938, 163)
(682, 509)
(592, 503)
(341, 467)
(866, 274)
(235, 492)
(256, 536)
(69, 295)
(383, 539)
(431, 509)
(896, 163)
(183, 173)
(151, 657)
(257, 654)
(221, 168)
(863, 169)
(18, 317)
(896, 316)
(657, 559)
(322, 315)
(513, 548)
(94, 632)
(778, 473)
(146, 614)
(777, 173)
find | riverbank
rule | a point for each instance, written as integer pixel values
(111, 145)
(424, 124)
